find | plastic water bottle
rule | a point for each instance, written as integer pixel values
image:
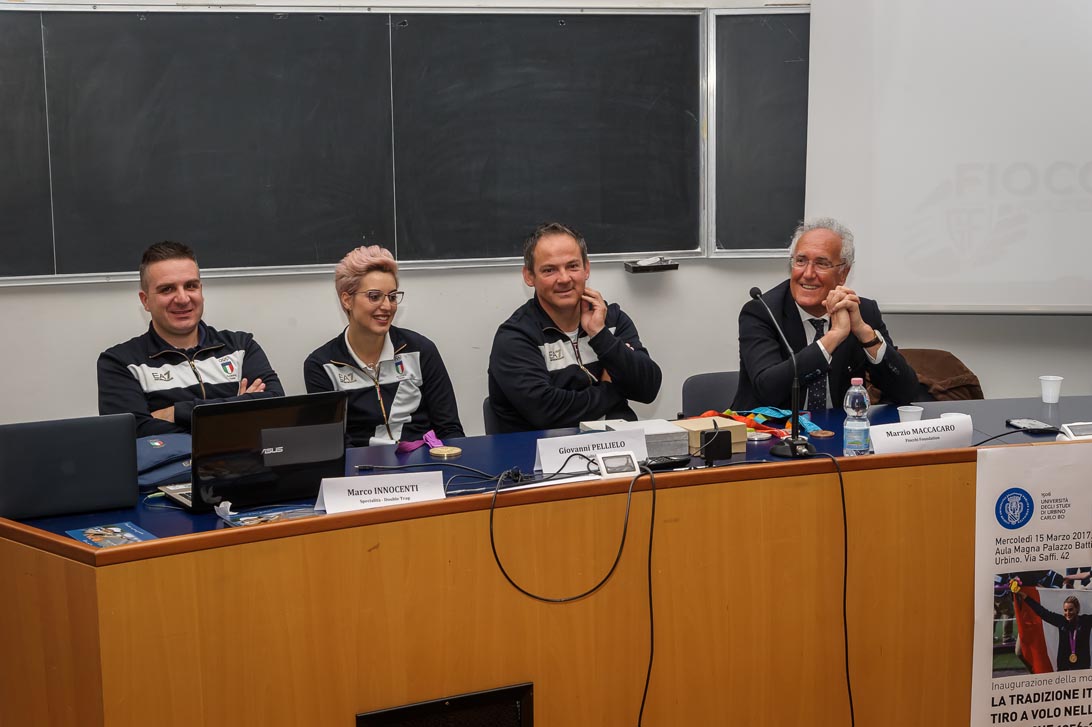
(855, 432)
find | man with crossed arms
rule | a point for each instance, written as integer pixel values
(180, 361)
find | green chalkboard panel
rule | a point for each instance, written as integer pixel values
(762, 128)
(504, 121)
(283, 139)
(260, 139)
(26, 234)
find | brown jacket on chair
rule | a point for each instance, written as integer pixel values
(942, 375)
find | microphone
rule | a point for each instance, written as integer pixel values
(795, 445)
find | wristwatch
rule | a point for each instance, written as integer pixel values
(877, 340)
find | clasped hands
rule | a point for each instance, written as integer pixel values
(844, 308)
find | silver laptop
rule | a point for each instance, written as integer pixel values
(263, 451)
(68, 466)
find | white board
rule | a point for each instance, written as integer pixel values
(954, 139)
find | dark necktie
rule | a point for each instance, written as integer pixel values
(817, 391)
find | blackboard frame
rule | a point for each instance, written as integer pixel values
(712, 246)
(707, 246)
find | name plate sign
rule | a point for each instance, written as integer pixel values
(949, 432)
(555, 454)
(345, 494)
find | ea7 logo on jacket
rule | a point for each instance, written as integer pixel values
(559, 355)
(165, 376)
(346, 377)
(272, 450)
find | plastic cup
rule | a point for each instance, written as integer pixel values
(910, 413)
(1052, 388)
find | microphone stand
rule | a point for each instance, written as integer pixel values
(795, 445)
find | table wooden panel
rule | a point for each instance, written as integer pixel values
(314, 621)
(49, 669)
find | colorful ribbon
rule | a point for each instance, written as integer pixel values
(429, 439)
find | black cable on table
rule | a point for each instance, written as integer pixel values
(561, 599)
(845, 578)
(614, 565)
(651, 618)
(1052, 430)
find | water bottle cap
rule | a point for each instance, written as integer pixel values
(856, 381)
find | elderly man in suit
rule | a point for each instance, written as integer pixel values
(836, 334)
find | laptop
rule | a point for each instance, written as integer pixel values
(263, 451)
(67, 466)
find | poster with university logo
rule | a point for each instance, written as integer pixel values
(1033, 587)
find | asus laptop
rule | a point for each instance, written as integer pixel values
(67, 466)
(263, 451)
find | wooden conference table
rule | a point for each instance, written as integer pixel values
(313, 621)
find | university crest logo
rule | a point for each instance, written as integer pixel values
(1013, 508)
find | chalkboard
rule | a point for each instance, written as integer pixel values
(26, 237)
(284, 139)
(761, 128)
(503, 121)
(259, 139)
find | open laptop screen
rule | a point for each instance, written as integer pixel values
(67, 466)
(264, 451)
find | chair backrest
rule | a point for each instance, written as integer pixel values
(702, 392)
(492, 426)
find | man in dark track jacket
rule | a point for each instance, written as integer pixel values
(566, 356)
(851, 338)
(180, 362)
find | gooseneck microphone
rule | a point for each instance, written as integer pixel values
(794, 445)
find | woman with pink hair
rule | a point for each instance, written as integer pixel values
(398, 386)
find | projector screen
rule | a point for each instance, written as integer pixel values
(955, 140)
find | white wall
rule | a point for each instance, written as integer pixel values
(951, 131)
(52, 334)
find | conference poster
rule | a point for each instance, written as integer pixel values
(1033, 587)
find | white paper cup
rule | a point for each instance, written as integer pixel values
(1052, 388)
(910, 413)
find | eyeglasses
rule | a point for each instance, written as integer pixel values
(374, 296)
(822, 265)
